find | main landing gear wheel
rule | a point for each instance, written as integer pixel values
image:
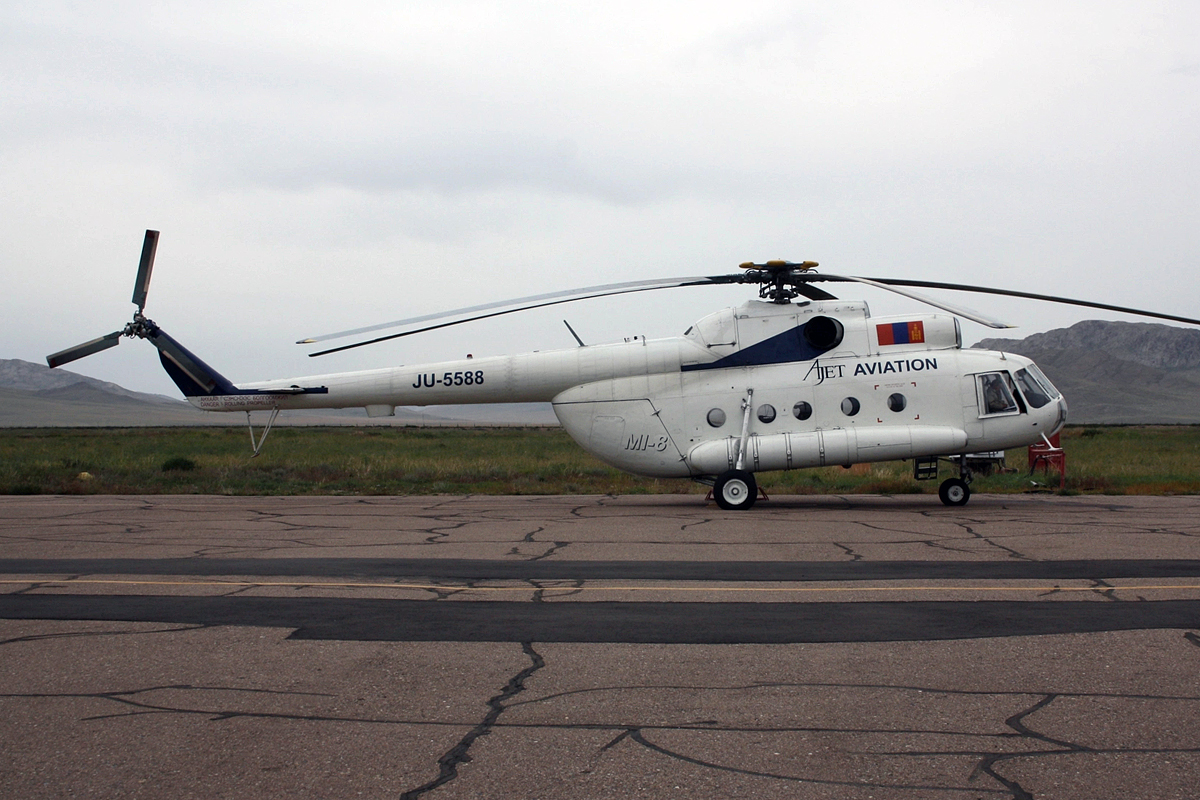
(954, 492)
(735, 490)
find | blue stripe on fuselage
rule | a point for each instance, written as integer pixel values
(782, 348)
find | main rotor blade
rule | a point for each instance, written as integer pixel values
(1031, 296)
(886, 284)
(142, 285)
(535, 301)
(86, 349)
(552, 299)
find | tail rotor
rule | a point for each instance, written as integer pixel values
(138, 327)
(192, 375)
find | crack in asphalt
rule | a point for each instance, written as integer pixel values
(637, 736)
(850, 551)
(450, 590)
(460, 754)
(248, 587)
(127, 697)
(554, 550)
(1011, 552)
(987, 765)
(440, 534)
(919, 689)
(568, 588)
(86, 634)
(528, 538)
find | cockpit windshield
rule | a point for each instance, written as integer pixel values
(1036, 388)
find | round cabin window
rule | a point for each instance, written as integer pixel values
(716, 417)
(851, 406)
(897, 402)
(766, 413)
(802, 410)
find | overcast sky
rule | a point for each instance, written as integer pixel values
(314, 167)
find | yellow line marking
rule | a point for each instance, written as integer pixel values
(602, 588)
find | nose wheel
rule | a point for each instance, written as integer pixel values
(954, 492)
(735, 490)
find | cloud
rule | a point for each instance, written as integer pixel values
(315, 168)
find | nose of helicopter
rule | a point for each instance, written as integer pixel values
(1062, 415)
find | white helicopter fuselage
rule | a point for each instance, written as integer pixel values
(763, 386)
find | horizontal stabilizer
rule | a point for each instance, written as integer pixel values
(290, 390)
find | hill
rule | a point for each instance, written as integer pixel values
(1118, 372)
(27, 376)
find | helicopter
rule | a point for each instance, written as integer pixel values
(793, 379)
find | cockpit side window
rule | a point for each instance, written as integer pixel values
(995, 397)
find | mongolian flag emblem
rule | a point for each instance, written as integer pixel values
(901, 333)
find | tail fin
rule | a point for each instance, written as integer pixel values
(193, 377)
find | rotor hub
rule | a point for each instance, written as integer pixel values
(141, 327)
(777, 279)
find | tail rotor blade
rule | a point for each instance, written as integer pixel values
(85, 349)
(142, 286)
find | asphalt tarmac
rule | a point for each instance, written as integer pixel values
(597, 647)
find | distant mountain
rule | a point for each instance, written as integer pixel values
(27, 376)
(1118, 372)
(33, 395)
(81, 405)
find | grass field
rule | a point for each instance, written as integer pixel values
(405, 461)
